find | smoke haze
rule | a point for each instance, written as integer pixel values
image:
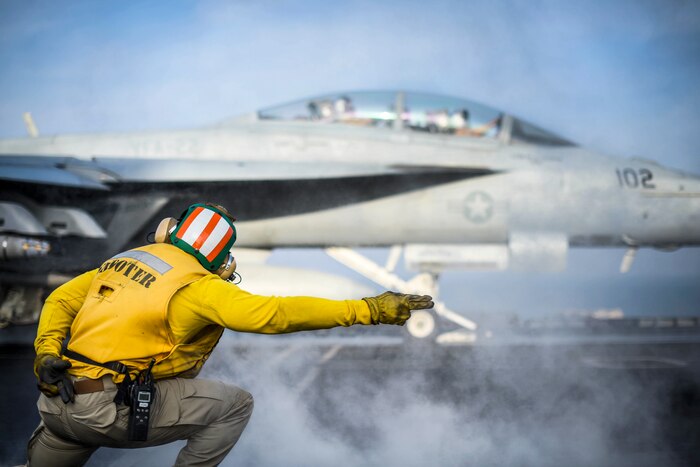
(347, 403)
(619, 77)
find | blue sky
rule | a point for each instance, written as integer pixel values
(620, 77)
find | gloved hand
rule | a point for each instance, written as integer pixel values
(395, 308)
(53, 379)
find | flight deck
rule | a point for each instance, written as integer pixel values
(556, 391)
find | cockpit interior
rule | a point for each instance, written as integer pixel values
(413, 111)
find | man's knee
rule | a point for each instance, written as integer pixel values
(241, 401)
(248, 404)
(238, 414)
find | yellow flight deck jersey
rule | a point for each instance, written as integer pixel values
(158, 302)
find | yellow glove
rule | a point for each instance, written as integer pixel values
(395, 308)
(53, 379)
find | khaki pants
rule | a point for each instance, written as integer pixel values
(210, 415)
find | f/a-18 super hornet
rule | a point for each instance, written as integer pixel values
(444, 181)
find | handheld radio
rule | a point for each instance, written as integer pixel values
(141, 396)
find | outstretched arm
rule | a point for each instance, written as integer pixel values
(229, 306)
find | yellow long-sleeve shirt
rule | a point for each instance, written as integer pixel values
(202, 303)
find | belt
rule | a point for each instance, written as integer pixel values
(87, 386)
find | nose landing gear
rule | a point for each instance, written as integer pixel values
(424, 324)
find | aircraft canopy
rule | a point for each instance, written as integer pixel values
(421, 112)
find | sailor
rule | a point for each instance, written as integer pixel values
(141, 327)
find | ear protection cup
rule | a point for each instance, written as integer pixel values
(228, 268)
(164, 229)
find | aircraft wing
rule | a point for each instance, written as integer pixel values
(62, 171)
(99, 172)
(94, 207)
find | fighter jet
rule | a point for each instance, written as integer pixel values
(443, 181)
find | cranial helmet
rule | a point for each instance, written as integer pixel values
(205, 231)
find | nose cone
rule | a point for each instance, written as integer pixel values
(668, 209)
(684, 201)
(688, 183)
(661, 181)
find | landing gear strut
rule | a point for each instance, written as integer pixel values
(422, 324)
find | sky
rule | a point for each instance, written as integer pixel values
(619, 77)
